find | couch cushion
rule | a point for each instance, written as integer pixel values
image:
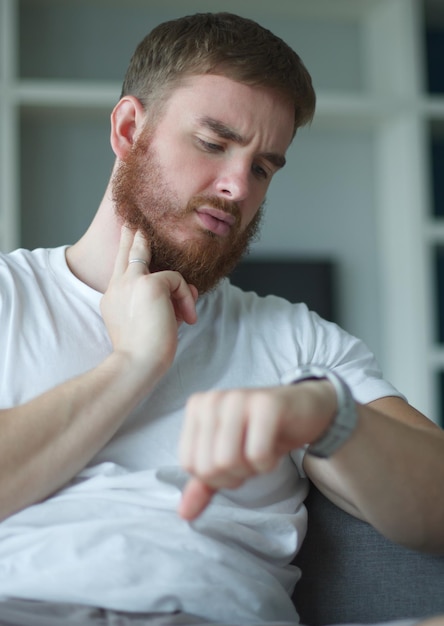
(351, 573)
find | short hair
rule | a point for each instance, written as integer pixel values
(222, 44)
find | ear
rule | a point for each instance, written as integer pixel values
(127, 120)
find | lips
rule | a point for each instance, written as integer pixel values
(216, 221)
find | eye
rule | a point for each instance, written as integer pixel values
(260, 172)
(209, 146)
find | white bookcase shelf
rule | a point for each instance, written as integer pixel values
(361, 187)
(55, 93)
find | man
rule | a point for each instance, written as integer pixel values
(102, 517)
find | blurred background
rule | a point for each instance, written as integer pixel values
(362, 193)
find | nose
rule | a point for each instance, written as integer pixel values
(233, 183)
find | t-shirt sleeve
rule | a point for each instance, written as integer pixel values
(327, 344)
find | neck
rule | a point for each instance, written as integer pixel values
(91, 259)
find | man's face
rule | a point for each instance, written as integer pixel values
(195, 184)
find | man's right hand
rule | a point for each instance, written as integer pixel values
(142, 310)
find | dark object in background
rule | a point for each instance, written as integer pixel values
(297, 280)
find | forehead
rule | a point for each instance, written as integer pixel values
(255, 112)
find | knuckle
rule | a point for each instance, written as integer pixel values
(208, 475)
(262, 462)
(224, 466)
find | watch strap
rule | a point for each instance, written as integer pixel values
(346, 417)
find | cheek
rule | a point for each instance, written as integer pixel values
(253, 207)
(188, 174)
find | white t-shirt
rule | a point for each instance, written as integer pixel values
(112, 537)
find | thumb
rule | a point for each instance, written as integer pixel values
(195, 498)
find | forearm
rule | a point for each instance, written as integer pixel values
(389, 471)
(46, 441)
(391, 474)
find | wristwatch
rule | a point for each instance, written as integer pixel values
(345, 420)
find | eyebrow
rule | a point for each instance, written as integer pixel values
(225, 132)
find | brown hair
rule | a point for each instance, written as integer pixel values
(223, 44)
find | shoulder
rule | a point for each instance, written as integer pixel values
(250, 303)
(277, 312)
(296, 335)
(289, 328)
(22, 260)
(24, 272)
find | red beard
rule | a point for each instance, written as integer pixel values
(143, 201)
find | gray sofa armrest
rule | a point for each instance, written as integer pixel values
(351, 573)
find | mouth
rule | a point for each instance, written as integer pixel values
(216, 221)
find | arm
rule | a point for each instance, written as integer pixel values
(390, 472)
(46, 441)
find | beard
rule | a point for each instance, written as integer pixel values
(144, 202)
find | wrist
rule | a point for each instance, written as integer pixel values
(344, 418)
(136, 375)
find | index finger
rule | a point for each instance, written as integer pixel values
(140, 251)
(132, 245)
(125, 243)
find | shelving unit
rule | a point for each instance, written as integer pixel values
(433, 230)
(364, 170)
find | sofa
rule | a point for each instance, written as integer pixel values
(352, 574)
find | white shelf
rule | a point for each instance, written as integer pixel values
(54, 93)
(339, 105)
(437, 358)
(433, 107)
(434, 231)
(93, 94)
